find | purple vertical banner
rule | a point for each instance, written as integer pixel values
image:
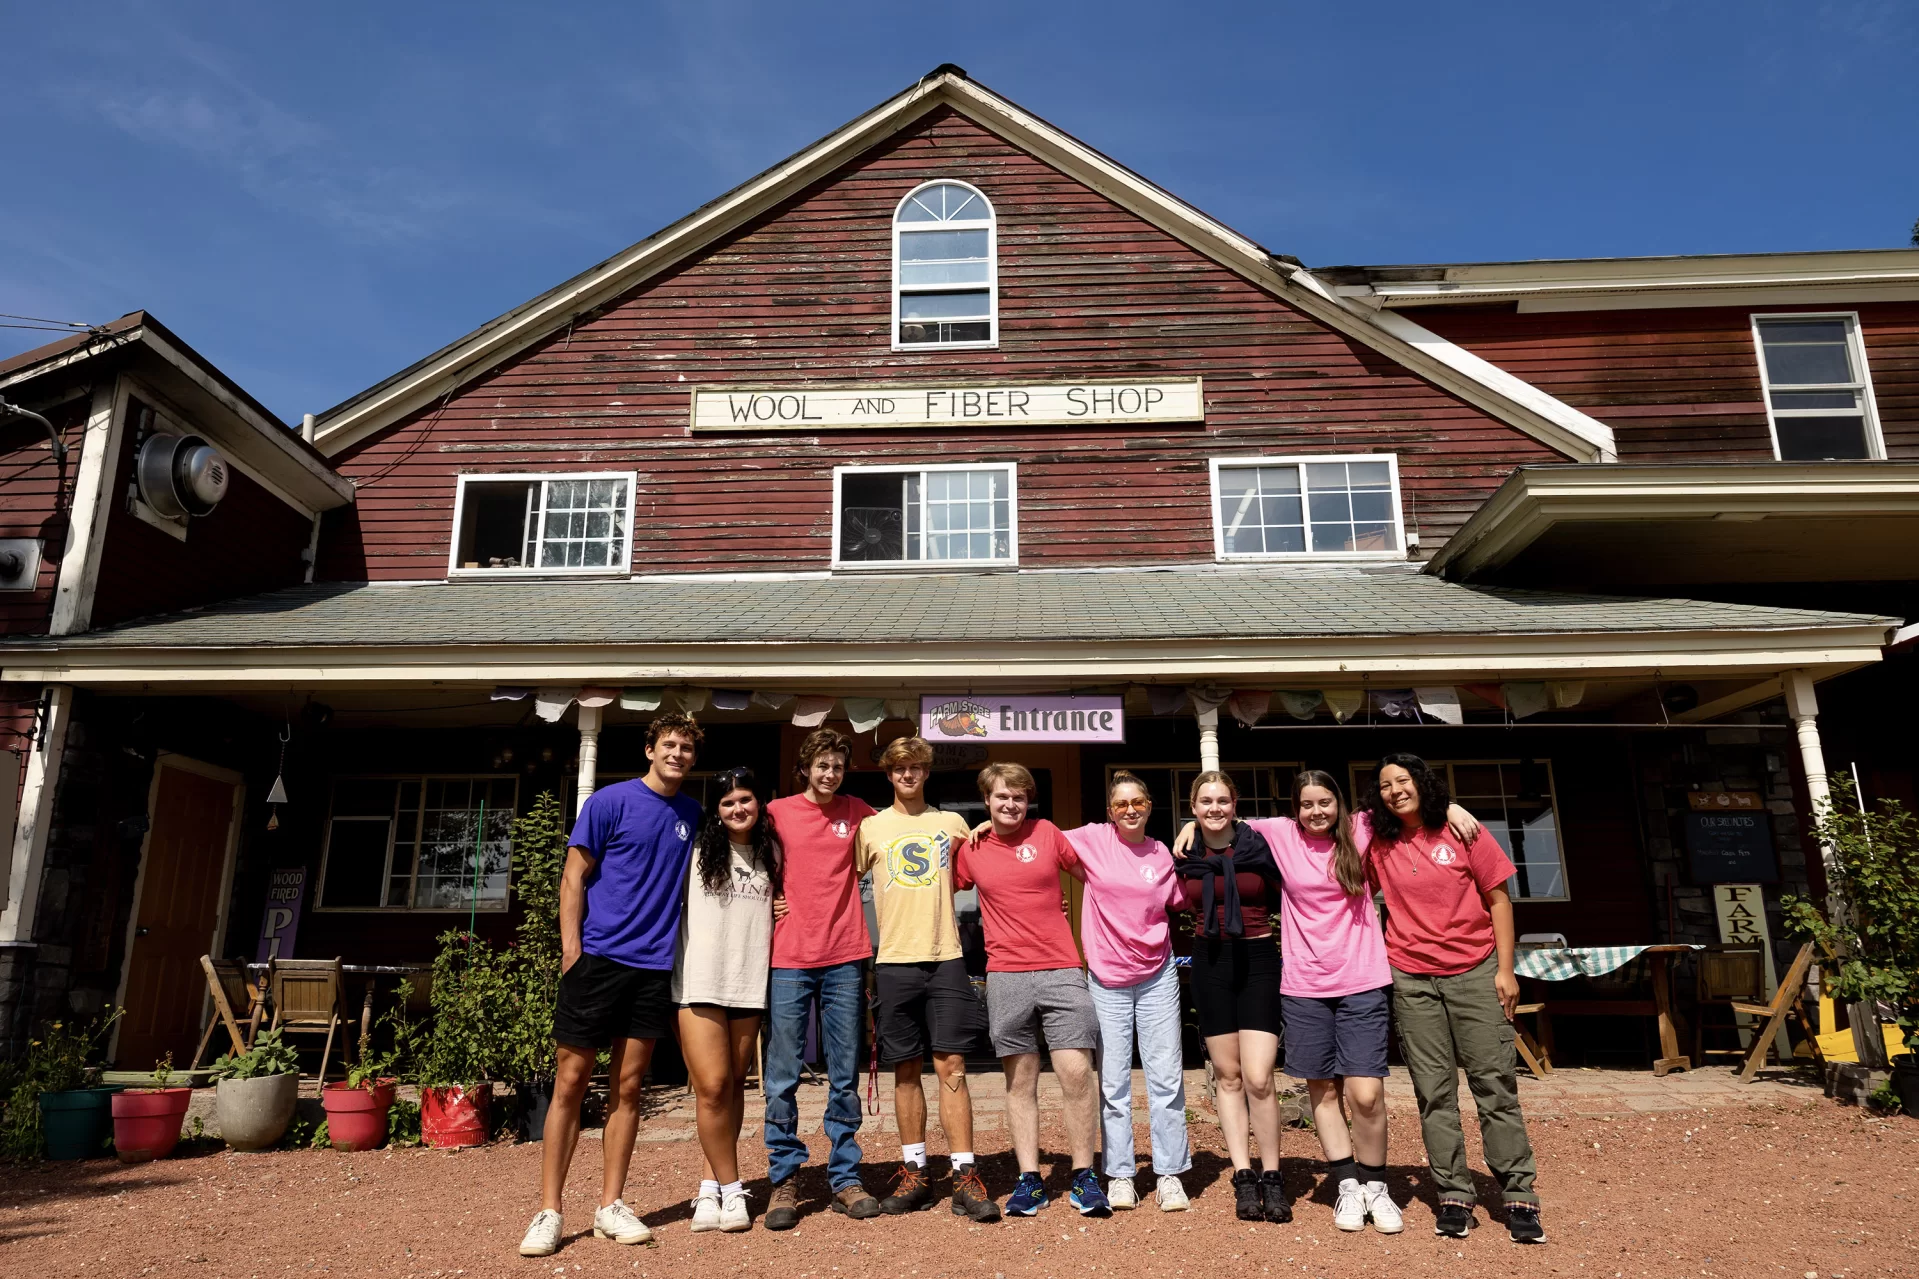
(280, 923)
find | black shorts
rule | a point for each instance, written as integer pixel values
(1236, 984)
(927, 1007)
(602, 1000)
(729, 1012)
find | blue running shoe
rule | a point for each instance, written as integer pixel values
(1088, 1197)
(1028, 1197)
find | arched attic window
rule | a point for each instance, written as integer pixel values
(945, 268)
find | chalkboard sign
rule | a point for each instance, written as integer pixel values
(1731, 847)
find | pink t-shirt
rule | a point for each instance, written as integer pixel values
(1331, 940)
(1122, 919)
(1437, 921)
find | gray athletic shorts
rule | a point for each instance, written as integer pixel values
(1020, 1005)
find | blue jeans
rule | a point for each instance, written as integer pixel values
(1150, 1009)
(840, 988)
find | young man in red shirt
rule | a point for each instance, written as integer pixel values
(820, 951)
(1034, 981)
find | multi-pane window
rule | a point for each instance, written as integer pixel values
(945, 273)
(1514, 801)
(419, 843)
(1265, 790)
(544, 524)
(1306, 506)
(1818, 396)
(950, 515)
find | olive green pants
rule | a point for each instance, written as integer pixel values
(1447, 1024)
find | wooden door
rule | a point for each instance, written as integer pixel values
(181, 878)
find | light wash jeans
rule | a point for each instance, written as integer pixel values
(1150, 1008)
(840, 990)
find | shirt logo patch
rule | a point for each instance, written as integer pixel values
(1026, 852)
(1148, 874)
(1444, 855)
(916, 860)
(842, 829)
(682, 830)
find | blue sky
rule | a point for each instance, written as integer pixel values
(316, 204)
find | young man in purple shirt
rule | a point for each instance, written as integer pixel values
(620, 899)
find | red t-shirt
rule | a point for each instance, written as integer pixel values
(1437, 922)
(1019, 897)
(825, 923)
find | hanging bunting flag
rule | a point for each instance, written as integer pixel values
(1567, 694)
(598, 696)
(511, 693)
(1247, 705)
(1163, 700)
(641, 699)
(865, 713)
(1344, 702)
(772, 701)
(1441, 703)
(693, 700)
(731, 699)
(811, 712)
(901, 708)
(1208, 697)
(1487, 693)
(1300, 703)
(1396, 703)
(551, 703)
(1524, 700)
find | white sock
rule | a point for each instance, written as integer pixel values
(731, 1188)
(962, 1159)
(914, 1154)
(710, 1188)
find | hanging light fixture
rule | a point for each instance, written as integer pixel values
(278, 795)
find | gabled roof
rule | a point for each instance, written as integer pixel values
(1446, 365)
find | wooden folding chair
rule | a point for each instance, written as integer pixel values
(1726, 975)
(1785, 1001)
(308, 999)
(229, 988)
(1537, 1059)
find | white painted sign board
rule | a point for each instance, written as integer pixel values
(816, 408)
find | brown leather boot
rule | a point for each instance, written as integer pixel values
(855, 1202)
(783, 1209)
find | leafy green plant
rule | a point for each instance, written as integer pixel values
(270, 1055)
(163, 1070)
(320, 1139)
(403, 1124)
(474, 1002)
(1883, 1100)
(1871, 946)
(59, 1060)
(375, 1065)
(539, 861)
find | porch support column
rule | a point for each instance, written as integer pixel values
(589, 755)
(1209, 740)
(1804, 709)
(20, 891)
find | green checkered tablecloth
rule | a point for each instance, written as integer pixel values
(1556, 963)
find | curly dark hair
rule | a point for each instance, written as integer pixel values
(1434, 797)
(712, 847)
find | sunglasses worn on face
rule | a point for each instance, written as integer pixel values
(1129, 805)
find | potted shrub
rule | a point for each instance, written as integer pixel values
(146, 1121)
(463, 1048)
(255, 1092)
(52, 1109)
(1870, 946)
(357, 1109)
(539, 858)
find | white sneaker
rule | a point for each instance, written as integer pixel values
(617, 1222)
(1381, 1208)
(735, 1216)
(706, 1213)
(1349, 1212)
(1122, 1194)
(1171, 1195)
(543, 1236)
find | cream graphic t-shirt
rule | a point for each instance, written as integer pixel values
(726, 938)
(912, 863)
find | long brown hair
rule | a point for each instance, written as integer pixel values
(1348, 868)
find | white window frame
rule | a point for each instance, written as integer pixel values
(1302, 460)
(926, 565)
(622, 569)
(393, 842)
(1855, 347)
(991, 226)
(1354, 767)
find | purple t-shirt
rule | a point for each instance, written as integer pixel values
(1331, 940)
(1122, 920)
(641, 843)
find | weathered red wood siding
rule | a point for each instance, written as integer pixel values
(1681, 385)
(803, 295)
(28, 478)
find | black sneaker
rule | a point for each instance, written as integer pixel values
(1246, 1205)
(1272, 1196)
(1522, 1224)
(970, 1198)
(1454, 1219)
(912, 1190)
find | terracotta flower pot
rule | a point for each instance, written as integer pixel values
(356, 1117)
(146, 1122)
(254, 1113)
(455, 1116)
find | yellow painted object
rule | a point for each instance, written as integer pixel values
(1837, 1045)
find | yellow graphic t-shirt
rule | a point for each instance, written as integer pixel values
(912, 863)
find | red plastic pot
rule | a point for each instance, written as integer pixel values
(455, 1116)
(356, 1117)
(146, 1122)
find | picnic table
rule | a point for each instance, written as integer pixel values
(1563, 963)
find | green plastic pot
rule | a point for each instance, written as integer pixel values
(75, 1123)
